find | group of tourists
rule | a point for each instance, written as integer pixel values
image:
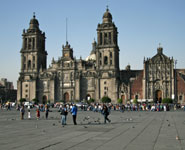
(63, 110)
(104, 109)
(22, 111)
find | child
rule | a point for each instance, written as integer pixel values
(38, 113)
(29, 114)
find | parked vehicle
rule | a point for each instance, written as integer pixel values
(26, 104)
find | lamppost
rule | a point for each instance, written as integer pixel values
(175, 82)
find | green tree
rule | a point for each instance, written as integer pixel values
(119, 101)
(167, 100)
(36, 101)
(135, 101)
(22, 100)
(76, 101)
(106, 99)
(90, 101)
(62, 101)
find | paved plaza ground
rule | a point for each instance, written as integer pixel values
(127, 131)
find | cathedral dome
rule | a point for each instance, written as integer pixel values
(34, 24)
(91, 57)
(107, 17)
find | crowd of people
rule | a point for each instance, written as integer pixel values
(104, 109)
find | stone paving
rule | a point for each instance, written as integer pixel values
(127, 131)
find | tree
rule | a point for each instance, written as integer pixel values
(91, 101)
(106, 99)
(22, 100)
(120, 101)
(135, 101)
(167, 100)
(36, 101)
(76, 101)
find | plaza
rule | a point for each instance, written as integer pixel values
(141, 130)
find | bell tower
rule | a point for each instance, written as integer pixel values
(33, 61)
(107, 47)
(67, 51)
(33, 54)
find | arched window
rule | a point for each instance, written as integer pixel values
(100, 38)
(110, 54)
(100, 55)
(29, 43)
(105, 39)
(29, 64)
(24, 59)
(100, 62)
(105, 60)
(110, 38)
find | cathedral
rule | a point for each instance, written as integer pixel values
(69, 79)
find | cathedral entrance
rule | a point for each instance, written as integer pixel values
(123, 99)
(44, 99)
(66, 97)
(158, 96)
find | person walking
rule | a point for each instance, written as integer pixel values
(74, 113)
(38, 113)
(105, 113)
(29, 114)
(46, 111)
(64, 113)
(22, 112)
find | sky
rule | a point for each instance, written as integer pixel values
(142, 25)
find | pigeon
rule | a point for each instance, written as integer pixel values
(43, 131)
(177, 137)
(85, 126)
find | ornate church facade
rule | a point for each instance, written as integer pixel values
(71, 79)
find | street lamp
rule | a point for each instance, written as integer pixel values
(175, 82)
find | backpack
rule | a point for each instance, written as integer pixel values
(64, 112)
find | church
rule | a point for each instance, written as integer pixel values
(69, 79)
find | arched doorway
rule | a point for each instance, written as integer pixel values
(44, 99)
(158, 96)
(66, 97)
(123, 99)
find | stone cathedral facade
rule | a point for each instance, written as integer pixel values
(71, 79)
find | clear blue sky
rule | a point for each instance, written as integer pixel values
(142, 25)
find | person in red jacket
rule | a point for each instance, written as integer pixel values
(38, 113)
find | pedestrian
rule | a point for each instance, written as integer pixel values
(74, 113)
(105, 113)
(46, 111)
(29, 114)
(64, 114)
(8, 106)
(22, 112)
(38, 113)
